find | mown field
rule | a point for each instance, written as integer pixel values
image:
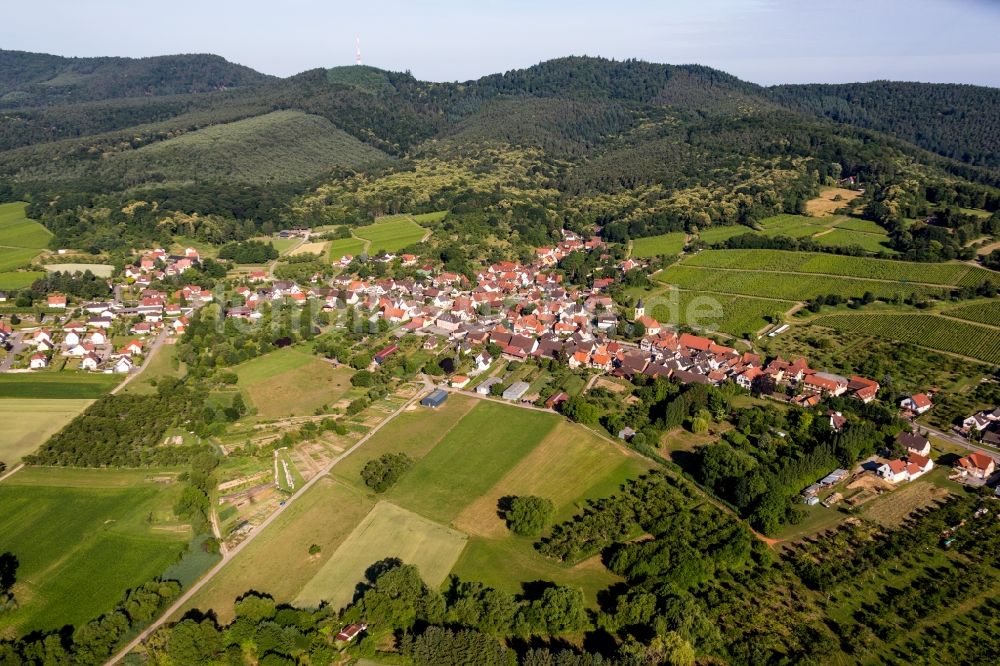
(67, 527)
(655, 246)
(67, 385)
(391, 234)
(100, 270)
(291, 382)
(842, 237)
(830, 264)
(387, 531)
(926, 330)
(28, 422)
(441, 515)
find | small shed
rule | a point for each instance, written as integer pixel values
(435, 399)
(484, 388)
(516, 390)
(836, 476)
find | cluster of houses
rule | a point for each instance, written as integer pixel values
(985, 425)
(915, 463)
(157, 264)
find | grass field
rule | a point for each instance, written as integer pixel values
(387, 531)
(11, 280)
(278, 561)
(470, 459)
(654, 246)
(391, 234)
(15, 257)
(569, 466)
(713, 235)
(291, 382)
(66, 526)
(793, 226)
(29, 422)
(161, 365)
(342, 246)
(414, 433)
(17, 230)
(927, 330)
(100, 270)
(430, 218)
(793, 287)
(66, 385)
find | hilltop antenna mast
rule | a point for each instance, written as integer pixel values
(357, 50)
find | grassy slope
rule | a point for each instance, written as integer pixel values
(282, 146)
(391, 234)
(291, 382)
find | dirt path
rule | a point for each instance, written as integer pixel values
(12, 472)
(228, 556)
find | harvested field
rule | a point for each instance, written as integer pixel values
(829, 200)
(893, 508)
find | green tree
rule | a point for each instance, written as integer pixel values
(528, 515)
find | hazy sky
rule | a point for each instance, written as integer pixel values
(766, 41)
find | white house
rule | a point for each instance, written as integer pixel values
(123, 365)
(90, 362)
(39, 361)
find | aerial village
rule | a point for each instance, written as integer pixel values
(512, 311)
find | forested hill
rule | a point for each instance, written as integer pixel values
(38, 79)
(958, 121)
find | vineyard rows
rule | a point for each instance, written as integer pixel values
(923, 329)
(832, 264)
(739, 314)
(780, 285)
(984, 313)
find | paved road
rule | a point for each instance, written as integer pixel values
(228, 557)
(17, 346)
(961, 441)
(155, 347)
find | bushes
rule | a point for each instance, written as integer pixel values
(381, 473)
(249, 252)
(528, 515)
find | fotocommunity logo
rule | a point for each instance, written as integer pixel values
(702, 312)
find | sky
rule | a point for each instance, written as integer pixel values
(764, 41)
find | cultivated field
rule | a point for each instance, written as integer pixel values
(391, 234)
(66, 526)
(28, 422)
(66, 385)
(568, 467)
(926, 330)
(727, 313)
(713, 235)
(388, 531)
(318, 247)
(793, 287)
(278, 561)
(15, 257)
(870, 242)
(954, 273)
(470, 459)
(100, 270)
(291, 382)
(984, 313)
(414, 433)
(654, 246)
